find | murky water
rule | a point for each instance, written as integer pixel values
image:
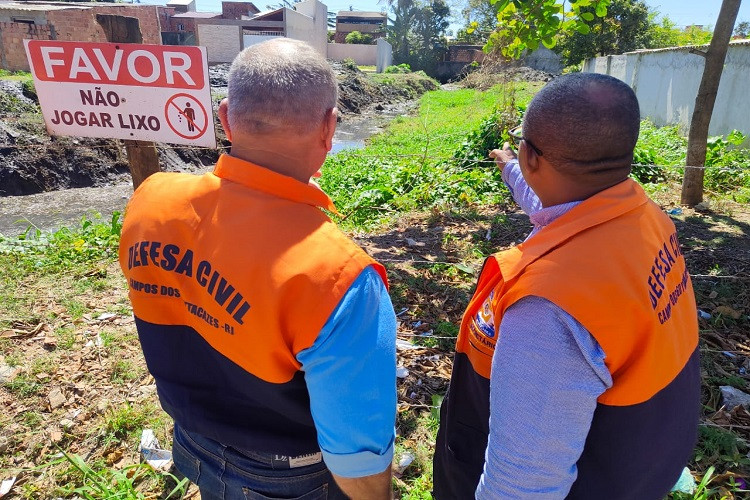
(49, 211)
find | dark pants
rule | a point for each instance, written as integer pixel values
(224, 473)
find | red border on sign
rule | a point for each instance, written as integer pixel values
(166, 115)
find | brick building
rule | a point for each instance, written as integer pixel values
(371, 23)
(172, 24)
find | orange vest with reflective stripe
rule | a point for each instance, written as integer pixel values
(627, 284)
(244, 266)
(612, 262)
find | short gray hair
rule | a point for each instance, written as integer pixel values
(280, 84)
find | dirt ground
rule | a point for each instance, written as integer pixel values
(73, 377)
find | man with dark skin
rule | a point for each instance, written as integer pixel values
(577, 372)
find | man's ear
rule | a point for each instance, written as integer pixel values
(224, 117)
(528, 157)
(329, 127)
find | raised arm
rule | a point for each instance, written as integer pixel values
(511, 172)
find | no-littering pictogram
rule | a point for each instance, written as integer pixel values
(186, 116)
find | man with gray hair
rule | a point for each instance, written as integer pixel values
(270, 334)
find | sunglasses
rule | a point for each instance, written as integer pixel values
(516, 135)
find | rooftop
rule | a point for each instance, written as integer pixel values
(197, 15)
(360, 14)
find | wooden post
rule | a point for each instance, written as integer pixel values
(692, 181)
(143, 158)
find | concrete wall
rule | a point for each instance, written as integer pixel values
(543, 59)
(385, 55)
(363, 55)
(248, 40)
(379, 55)
(222, 42)
(666, 82)
(318, 12)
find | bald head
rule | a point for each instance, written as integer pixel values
(585, 124)
(281, 85)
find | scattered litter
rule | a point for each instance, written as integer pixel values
(414, 243)
(413, 395)
(734, 397)
(686, 483)
(6, 486)
(489, 234)
(152, 453)
(464, 268)
(66, 424)
(419, 381)
(404, 461)
(703, 314)
(428, 333)
(728, 312)
(8, 373)
(729, 354)
(405, 345)
(713, 294)
(675, 211)
(702, 206)
(106, 316)
(402, 311)
(416, 324)
(402, 372)
(56, 398)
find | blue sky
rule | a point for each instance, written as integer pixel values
(682, 12)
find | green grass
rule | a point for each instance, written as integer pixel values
(414, 165)
(96, 481)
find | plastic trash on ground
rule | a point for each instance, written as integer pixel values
(402, 372)
(152, 453)
(6, 485)
(404, 462)
(686, 483)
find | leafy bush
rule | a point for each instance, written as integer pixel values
(349, 64)
(355, 37)
(401, 68)
(65, 248)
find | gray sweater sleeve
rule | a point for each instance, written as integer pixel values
(547, 373)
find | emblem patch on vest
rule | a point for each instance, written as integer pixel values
(483, 321)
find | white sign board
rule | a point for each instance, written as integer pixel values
(154, 93)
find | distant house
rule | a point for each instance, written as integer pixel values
(372, 23)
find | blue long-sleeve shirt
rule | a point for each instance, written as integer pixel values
(350, 371)
(547, 373)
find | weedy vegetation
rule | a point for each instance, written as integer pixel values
(424, 199)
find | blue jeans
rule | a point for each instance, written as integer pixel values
(224, 473)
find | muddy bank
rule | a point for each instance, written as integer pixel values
(33, 162)
(48, 211)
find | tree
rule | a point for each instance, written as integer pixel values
(355, 37)
(480, 18)
(417, 32)
(524, 24)
(667, 34)
(692, 182)
(742, 30)
(624, 28)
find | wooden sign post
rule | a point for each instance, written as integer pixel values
(143, 158)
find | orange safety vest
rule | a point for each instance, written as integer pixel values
(237, 270)
(613, 262)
